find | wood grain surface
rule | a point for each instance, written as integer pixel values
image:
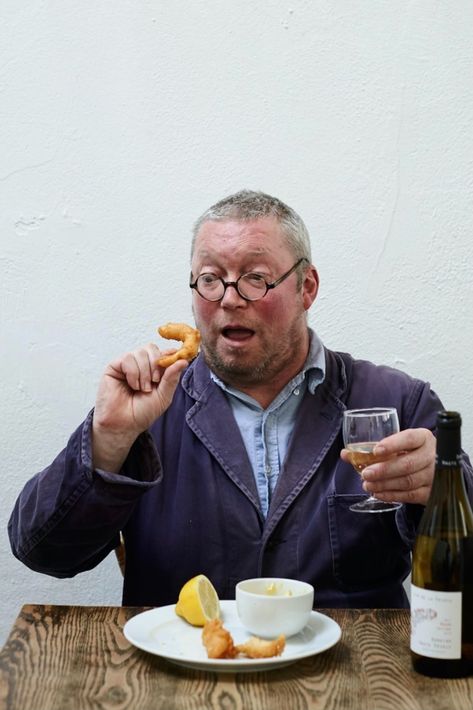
(61, 658)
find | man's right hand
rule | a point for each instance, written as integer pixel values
(132, 393)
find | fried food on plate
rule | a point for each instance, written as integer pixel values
(190, 342)
(219, 643)
(261, 648)
(217, 640)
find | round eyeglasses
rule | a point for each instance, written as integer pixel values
(251, 286)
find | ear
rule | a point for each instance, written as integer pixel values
(310, 287)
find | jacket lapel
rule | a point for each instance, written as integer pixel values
(212, 421)
(317, 426)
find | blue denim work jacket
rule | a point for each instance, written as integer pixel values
(186, 499)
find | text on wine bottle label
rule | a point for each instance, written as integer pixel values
(436, 623)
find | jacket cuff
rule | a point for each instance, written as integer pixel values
(142, 467)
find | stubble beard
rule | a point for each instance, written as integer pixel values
(235, 373)
(247, 373)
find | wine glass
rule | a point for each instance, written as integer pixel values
(362, 429)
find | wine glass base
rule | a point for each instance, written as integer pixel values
(373, 505)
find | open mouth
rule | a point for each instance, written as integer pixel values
(237, 334)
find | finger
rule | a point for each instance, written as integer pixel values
(405, 464)
(402, 466)
(137, 367)
(156, 370)
(406, 440)
(173, 372)
(169, 381)
(410, 482)
(167, 357)
(144, 358)
(150, 371)
(418, 496)
(128, 365)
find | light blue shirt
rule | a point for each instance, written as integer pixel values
(266, 432)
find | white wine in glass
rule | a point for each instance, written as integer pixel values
(362, 430)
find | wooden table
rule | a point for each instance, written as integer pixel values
(69, 657)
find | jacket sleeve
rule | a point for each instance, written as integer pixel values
(68, 517)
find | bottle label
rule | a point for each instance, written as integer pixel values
(448, 463)
(436, 623)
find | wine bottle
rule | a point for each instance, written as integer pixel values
(442, 566)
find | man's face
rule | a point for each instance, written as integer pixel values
(246, 342)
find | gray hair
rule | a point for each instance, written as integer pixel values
(248, 205)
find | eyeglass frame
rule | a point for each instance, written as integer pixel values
(226, 284)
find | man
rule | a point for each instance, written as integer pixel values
(232, 468)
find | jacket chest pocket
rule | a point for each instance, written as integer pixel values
(366, 547)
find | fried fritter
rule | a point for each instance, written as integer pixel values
(262, 648)
(190, 342)
(219, 643)
(217, 640)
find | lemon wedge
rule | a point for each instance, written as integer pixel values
(198, 601)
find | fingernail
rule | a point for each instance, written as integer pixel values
(379, 450)
(367, 474)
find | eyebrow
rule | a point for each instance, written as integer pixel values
(255, 253)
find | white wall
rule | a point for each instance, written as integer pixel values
(122, 121)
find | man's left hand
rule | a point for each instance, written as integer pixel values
(406, 472)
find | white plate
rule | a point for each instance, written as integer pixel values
(161, 632)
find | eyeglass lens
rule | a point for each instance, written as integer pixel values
(250, 286)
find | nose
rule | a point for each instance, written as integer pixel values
(231, 298)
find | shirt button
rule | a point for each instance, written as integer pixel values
(268, 468)
(296, 391)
